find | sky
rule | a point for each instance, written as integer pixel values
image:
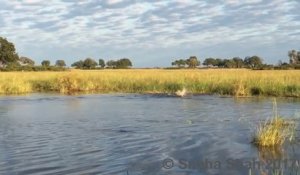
(152, 33)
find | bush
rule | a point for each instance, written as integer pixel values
(14, 67)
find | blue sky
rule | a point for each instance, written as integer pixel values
(151, 32)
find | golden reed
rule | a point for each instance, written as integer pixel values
(236, 82)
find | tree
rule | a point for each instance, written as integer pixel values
(26, 61)
(239, 62)
(294, 57)
(45, 63)
(77, 64)
(179, 63)
(229, 63)
(123, 63)
(293, 54)
(111, 63)
(7, 52)
(101, 63)
(89, 63)
(193, 62)
(210, 62)
(60, 63)
(174, 63)
(220, 62)
(253, 62)
(13, 66)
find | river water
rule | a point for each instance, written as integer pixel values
(130, 134)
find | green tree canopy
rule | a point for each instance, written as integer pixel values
(210, 62)
(193, 62)
(7, 52)
(253, 62)
(123, 63)
(78, 64)
(179, 63)
(239, 62)
(235, 62)
(229, 63)
(220, 62)
(60, 63)
(111, 63)
(101, 63)
(89, 63)
(45, 63)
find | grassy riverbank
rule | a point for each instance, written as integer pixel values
(213, 81)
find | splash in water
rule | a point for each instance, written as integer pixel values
(181, 93)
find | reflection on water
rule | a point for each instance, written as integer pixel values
(137, 134)
(277, 160)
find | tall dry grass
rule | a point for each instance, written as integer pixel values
(235, 82)
(275, 131)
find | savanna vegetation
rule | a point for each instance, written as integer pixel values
(10, 61)
(249, 62)
(237, 82)
(191, 62)
(90, 63)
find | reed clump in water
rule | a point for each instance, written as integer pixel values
(236, 82)
(275, 132)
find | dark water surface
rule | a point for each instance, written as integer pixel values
(138, 134)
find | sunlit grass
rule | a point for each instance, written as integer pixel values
(214, 81)
(275, 132)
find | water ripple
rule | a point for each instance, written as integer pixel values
(110, 134)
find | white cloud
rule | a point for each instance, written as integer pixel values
(114, 1)
(239, 2)
(32, 1)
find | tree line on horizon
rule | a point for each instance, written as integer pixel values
(252, 62)
(89, 63)
(236, 62)
(10, 61)
(191, 62)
